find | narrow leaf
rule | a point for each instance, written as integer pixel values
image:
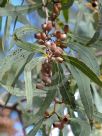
(84, 68)
(16, 10)
(85, 127)
(84, 90)
(28, 80)
(87, 56)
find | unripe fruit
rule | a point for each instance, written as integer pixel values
(66, 28)
(59, 59)
(98, 126)
(40, 85)
(38, 36)
(53, 58)
(63, 36)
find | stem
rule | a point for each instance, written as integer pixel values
(46, 10)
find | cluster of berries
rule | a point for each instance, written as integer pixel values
(62, 120)
(45, 75)
(53, 40)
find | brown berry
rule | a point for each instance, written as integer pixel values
(58, 52)
(47, 43)
(44, 26)
(58, 125)
(65, 120)
(58, 34)
(66, 28)
(46, 114)
(49, 25)
(58, 5)
(55, 9)
(43, 36)
(38, 36)
(53, 46)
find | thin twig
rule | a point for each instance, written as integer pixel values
(46, 10)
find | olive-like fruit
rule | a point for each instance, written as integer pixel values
(63, 36)
(47, 43)
(58, 34)
(49, 25)
(59, 59)
(43, 36)
(58, 52)
(55, 9)
(58, 5)
(66, 28)
(58, 125)
(37, 36)
(44, 26)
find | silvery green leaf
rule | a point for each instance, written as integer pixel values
(83, 83)
(84, 126)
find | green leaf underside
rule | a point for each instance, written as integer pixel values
(64, 88)
(45, 105)
(16, 10)
(28, 78)
(85, 127)
(12, 65)
(84, 90)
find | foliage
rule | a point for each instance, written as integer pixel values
(46, 64)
